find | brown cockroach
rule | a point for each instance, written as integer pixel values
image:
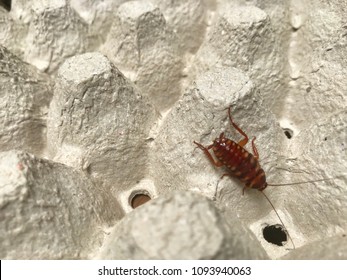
(241, 164)
(245, 166)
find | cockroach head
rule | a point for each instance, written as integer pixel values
(220, 139)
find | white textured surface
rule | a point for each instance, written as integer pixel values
(142, 46)
(244, 37)
(55, 33)
(24, 102)
(181, 225)
(101, 116)
(187, 19)
(334, 248)
(48, 211)
(279, 64)
(98, 15)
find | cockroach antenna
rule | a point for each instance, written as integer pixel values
(273, 207)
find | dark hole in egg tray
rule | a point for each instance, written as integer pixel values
(275, 234)
(138, 199)
(288, 133)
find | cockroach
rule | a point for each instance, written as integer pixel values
(241, 164)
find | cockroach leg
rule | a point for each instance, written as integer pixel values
(254, 148)
(244, 141)
(208, 154)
